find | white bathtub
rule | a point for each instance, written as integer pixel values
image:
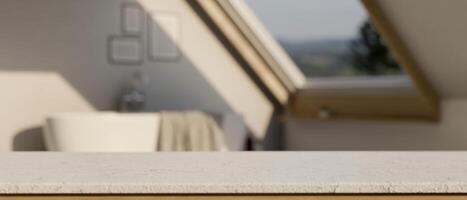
(102, 132)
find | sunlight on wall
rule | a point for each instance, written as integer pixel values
(35, 95)
(222, 73)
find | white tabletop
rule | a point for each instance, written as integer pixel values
(233, 173)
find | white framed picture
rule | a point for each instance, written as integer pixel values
(125, 50)
(132, 19)
(164, 36)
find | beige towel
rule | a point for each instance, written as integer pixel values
(190, 131)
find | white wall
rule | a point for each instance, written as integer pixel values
(449, 134)
(436, 34)
(53, 59)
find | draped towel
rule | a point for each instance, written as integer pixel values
(190, 131)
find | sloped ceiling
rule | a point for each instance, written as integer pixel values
(435, 31)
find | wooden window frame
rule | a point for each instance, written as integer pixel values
(253, 47)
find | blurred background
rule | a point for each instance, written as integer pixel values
(232, 75)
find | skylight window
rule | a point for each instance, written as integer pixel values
(327, 38)
(343, 69)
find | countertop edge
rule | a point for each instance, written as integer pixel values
(128, 188)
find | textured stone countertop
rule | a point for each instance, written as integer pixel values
(232, 173)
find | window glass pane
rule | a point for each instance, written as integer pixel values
(327, 38)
